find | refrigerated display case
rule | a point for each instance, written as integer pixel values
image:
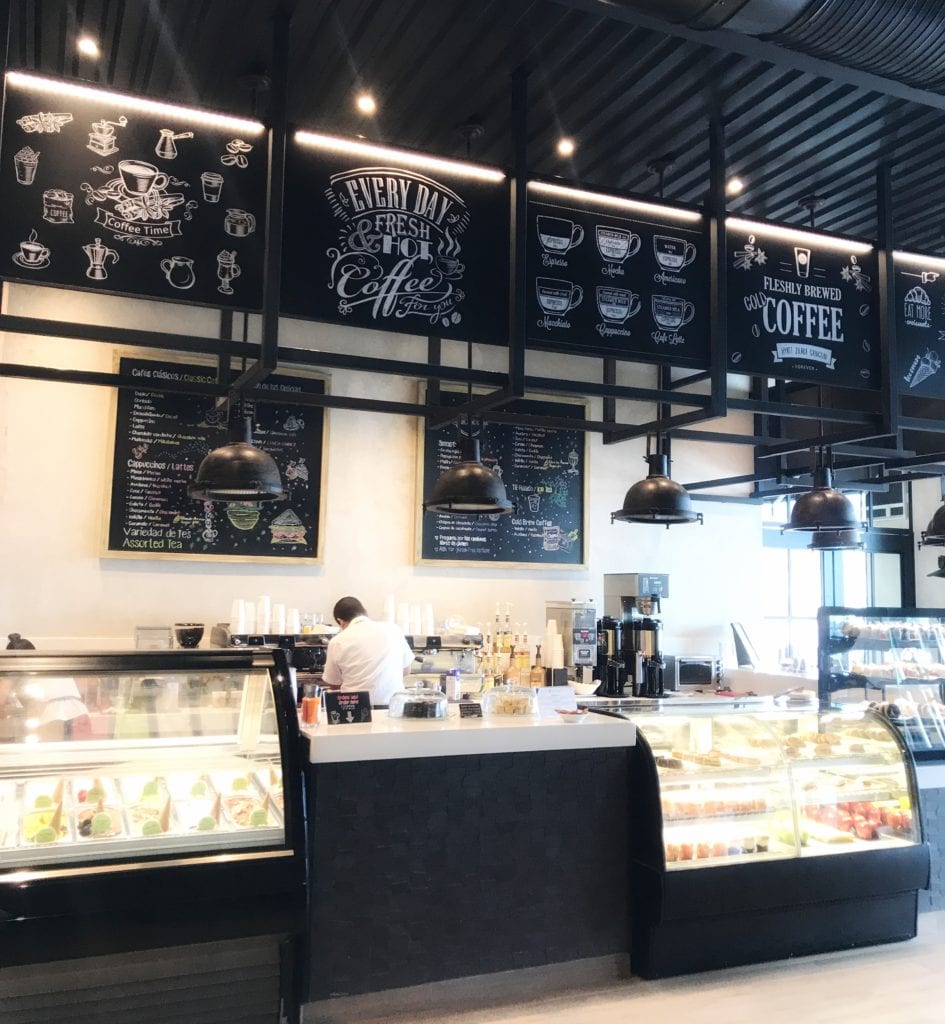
(152, 778)
(894, 657)
(764, 834)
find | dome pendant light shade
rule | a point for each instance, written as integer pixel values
(822, 508)
(934, 534)
(469, 488)
(836, 540)
(657, 499)
(940, 571)
(237, 471)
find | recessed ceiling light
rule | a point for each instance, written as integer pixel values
(734, 186)
(565, 147)
(87, 46)
(365, 103)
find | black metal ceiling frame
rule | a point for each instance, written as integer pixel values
(268, 356)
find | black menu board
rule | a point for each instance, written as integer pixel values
(920, 324)
(624, 280)
(544, 470)
(119, 194)
(398, 246)
(160, 440)
(802, 306)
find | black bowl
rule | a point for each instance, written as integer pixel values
(188, 634)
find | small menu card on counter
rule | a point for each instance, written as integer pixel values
(470, 709)
(550, 698)
(348, 708)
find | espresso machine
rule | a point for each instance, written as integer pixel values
(632, 605)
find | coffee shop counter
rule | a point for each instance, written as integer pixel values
(446, 848)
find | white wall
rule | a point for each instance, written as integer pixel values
(56, 585)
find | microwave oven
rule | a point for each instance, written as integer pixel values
(696, 671)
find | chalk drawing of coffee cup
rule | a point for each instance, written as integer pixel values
(616, 244)
(558, 296)
(673, 253)
(671, 312)
(140, 178)
(558, 235)
(617, 304)
(534, 501)
(551, 538)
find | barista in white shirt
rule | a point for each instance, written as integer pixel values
(366, 655)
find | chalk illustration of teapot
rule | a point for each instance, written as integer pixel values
(166, 147)
(98, 254)
(179, 271)
(239, 223)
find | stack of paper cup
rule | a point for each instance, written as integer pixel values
(263, 614)
(389, 615)
(557, 651)
(416, 620)
(293, 622)
(250, 619)
(238, 616)
(403, 617)
(429, 623)
(278, 618)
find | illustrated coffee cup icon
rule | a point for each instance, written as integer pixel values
(558, 235)
(556, 295)
(616, 244)
(672, 312)
(673, 253)
(617, 304)
(140, 178)
(33, 253)
(212, 184)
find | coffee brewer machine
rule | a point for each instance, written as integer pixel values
(632, 626)
(576, 621)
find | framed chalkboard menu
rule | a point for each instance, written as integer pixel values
(801, 305)
(121, 194)
(612, 276)
(394, 241)
(544, 470)
(920, 324)
(160, 440)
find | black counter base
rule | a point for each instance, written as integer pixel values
(710, 943)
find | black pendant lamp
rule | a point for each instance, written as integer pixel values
(657, 499)
(822, 507)
(934, 534)
(469, 488)
(940, 571)
(238, 470)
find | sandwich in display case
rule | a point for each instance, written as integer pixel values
(894, 657)
(764, 834)
(150, 778)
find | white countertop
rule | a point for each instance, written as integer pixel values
(387, 738)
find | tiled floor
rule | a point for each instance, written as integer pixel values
(903, 982)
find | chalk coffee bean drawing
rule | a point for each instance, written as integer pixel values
(866, 345)
(756, 330)
(736, 357)
(865, 309)
(865, 374)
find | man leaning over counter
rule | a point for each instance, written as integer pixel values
(366, 655)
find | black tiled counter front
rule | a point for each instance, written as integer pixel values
(932, 799)
(428, 868)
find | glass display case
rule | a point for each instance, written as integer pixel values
(761, 833)
(894, 657)
(735, 788)
(139, 764)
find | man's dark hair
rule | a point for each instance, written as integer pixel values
(348, 608)
(19, 643)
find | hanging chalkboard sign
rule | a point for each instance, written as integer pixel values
(545, 472)
(801, 306)
(393, 244)
(920, 324)
(160, 440)
(617, 278)
(120, 194)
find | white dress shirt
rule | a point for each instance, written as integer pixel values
(370, 656)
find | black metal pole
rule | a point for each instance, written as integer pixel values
(718, 268)
(886, 286)
(518, 212)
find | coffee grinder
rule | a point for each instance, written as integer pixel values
(633, 601)
(576, 621)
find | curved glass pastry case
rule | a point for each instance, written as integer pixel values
(761, 834)
(152, 776)
(894, 657)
